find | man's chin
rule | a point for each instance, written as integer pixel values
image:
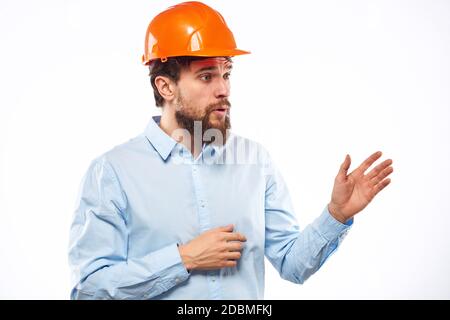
(222, 125)
(217, 124)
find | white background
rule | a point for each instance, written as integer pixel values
(325, 78)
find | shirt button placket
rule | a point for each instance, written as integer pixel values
(204, 221)
(200, 196)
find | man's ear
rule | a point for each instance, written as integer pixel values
(166, 87)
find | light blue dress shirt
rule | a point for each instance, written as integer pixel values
(142, 198)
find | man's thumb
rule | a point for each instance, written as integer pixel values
(344, 167)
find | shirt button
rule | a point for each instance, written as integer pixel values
(177, 280)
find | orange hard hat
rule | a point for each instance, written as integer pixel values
(189, 29)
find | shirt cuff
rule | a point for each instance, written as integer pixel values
(178, 245)
(329, 227)
(169, 259)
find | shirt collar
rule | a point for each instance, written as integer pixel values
(162, 143)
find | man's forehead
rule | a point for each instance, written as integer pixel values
(211, 62)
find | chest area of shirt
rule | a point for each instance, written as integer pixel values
(178, 203)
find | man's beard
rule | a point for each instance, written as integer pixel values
(186, 118)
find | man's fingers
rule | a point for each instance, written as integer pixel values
(233, 255)
(234, 246)
(227, 228)
(235, 236)
(383, 174)
(368, 162)
(379, 168)
(344, 167)
(383, 184)
(230, 263)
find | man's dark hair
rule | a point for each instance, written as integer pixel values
(171, 69)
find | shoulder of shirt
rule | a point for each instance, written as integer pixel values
(236, 139)
(241, 139)
(122, 150)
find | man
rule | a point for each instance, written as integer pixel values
(187, 209)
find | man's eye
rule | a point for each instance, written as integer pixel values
(227, 76)
(205, 77)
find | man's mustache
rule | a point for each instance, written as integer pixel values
(219, 104)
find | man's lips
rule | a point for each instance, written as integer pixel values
(220, 111)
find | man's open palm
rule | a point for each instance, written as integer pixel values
(353, 192)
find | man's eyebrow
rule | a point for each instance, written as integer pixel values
(212, 68)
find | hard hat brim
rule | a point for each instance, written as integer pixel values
(202, 53)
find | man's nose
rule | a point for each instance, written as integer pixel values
(222, 89)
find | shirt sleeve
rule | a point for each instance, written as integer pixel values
(296, 254)
(99, 244)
